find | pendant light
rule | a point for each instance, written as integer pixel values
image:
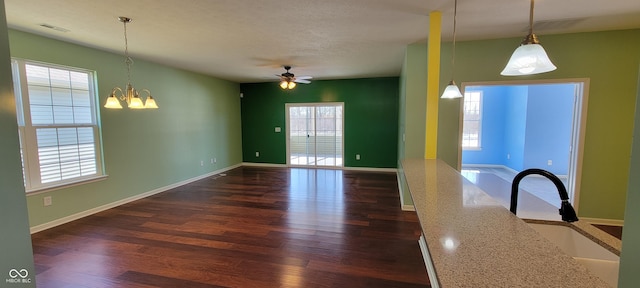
(130, 95)
(530, 58)
(452, 90)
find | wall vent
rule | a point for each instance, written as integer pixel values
(49, 26)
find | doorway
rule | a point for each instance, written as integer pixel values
(315, 134)
(507, 127)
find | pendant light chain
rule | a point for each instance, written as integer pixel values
(453, 55)
(127, 60)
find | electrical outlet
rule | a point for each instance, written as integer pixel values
(47, 201)
(357, 156)
(201, 162)
(549, 162)
(213, 160)
(508, 156)
(257, 154)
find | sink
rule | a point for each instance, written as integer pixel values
(600, 261)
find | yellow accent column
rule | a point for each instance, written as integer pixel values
(433, 85)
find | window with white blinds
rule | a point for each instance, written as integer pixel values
(58, 127)
(472, 121)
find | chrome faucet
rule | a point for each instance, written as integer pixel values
(566, 210)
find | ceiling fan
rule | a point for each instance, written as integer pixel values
(288, 80)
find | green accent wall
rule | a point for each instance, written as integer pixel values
(370, 119)
(609, 59)
(144, 150)
(15, 241)
(630, 256)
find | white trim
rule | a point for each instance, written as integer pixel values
(404, 207)
(314, 105)
(408, 208)
(400, 190)
(601, 221)
(263, 165)
(95, 210)
(77, 183)
(431, 270)
(485, 166)
(368, 169)
(498, 166)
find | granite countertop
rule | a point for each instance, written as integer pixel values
(473, 241)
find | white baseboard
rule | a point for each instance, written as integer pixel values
(400, 190)
(408, 208)
(484, 166)
(431, 270)
(404, 207)
(95, 210)
(368, 169)
(263, 164)
(600, 221)
(498, 166)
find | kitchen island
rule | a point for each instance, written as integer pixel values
(470, 240)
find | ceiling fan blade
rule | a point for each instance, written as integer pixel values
(304, 77)
(303, 81)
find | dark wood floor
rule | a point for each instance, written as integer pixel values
(615, 231)
(254, 227)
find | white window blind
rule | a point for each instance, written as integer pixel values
(472, 126)
(57, 123)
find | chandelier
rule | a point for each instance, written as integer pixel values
(129, 95)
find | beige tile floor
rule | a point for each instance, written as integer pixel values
(538, 197)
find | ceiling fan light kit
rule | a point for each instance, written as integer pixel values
(529, 58)
(288, 80)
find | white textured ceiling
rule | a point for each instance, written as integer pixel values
(250, 40)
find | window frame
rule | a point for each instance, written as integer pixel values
(27, 130)
(465, 120)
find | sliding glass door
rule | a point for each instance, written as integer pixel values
(314, 134)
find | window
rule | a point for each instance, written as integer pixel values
(57, 124)
(472, 126)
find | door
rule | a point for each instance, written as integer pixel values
(314, 134)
